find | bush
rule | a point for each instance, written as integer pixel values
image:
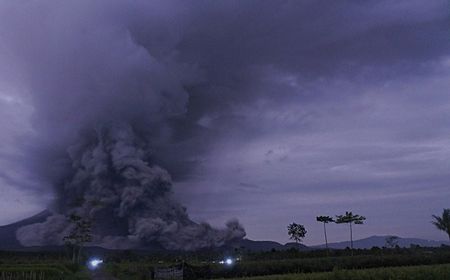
(308, 265)
(434, 272)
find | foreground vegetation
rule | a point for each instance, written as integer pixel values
(39, 266)
(377, 263)
(280, 262)
(41, 272)
(428, 272)
(38, 272)
(326, 264)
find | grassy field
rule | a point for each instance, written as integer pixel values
(423, 272)
(412, 263)
(323, 264)
(44, 271)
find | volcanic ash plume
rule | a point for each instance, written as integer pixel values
(113, 183)
(108, 87)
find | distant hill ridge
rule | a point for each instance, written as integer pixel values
(8, 240)
(263, 246)
(380, 241)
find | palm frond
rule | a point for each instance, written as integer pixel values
(442, 223)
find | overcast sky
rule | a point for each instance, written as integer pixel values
(273, 111)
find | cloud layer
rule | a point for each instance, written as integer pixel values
(256, 109)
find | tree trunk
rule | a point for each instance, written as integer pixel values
(351, 238)
(326, 239)
(74, 249)
(79, 254)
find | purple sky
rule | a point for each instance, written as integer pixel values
(268, 111)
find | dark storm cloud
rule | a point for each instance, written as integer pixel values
(101, 107)
(271, 54)
(336, 89)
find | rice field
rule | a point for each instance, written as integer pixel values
(423, 272)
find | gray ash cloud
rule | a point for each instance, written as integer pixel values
(186, 84)
(114, 183)
(103, 107)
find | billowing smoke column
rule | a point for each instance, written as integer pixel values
(115, 184)
(104, 81)
(102, 95)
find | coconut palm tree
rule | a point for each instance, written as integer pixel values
(443, 223)
(325, 220)
(350, 218)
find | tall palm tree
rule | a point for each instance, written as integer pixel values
(325, 220)
(350, 218)
(443, 223)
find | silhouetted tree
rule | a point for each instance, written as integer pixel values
(443, 222)
(350, 218)
(325, 220)
(296, 232)
(391, 241)
(78, 236)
